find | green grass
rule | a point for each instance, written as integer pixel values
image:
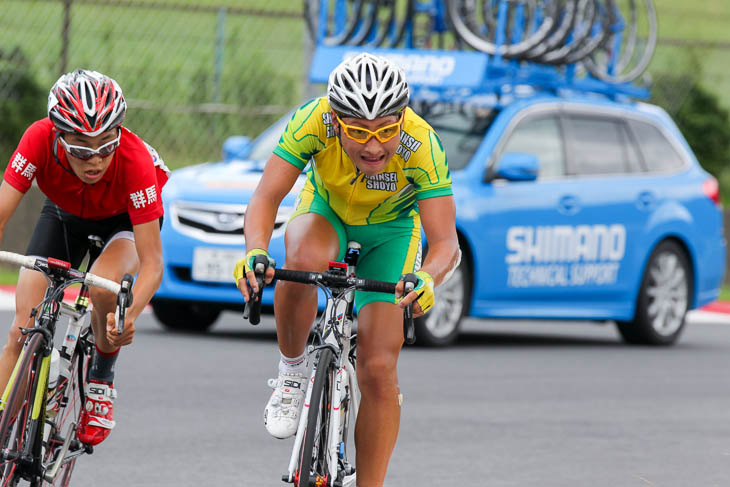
(724, 293)
(8, 276)
(191, 77)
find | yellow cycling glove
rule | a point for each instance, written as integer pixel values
(424, 288)
(246, 264)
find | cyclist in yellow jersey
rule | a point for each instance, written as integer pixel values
(377, 173)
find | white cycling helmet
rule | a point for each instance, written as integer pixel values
(367, 86)
(86, 102)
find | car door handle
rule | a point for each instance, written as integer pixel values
(568, 205)
(645, 201)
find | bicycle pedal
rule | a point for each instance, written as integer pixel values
(287, 479)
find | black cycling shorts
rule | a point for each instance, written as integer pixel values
(64, 236)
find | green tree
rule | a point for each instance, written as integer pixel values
(22, 101)
(701, 119)
(706, 126)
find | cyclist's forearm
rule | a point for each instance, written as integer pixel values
(259, 222)
(443, 256)
(9, 201)
(148, 281)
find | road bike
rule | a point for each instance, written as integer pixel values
(38, 423)
(320, 456)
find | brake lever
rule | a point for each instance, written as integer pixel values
(124, 301)
(409, 331)
(252, 309)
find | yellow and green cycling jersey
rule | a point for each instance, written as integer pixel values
(418, 170)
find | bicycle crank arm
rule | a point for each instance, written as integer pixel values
(50, 474)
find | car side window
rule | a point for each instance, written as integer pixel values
(599, 145)
(659, 154)
(633, 156)
(542, 138)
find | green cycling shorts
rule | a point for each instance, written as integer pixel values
(388, 250)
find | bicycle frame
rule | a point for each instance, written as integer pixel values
(336, 321)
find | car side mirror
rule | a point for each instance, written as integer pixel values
(518, 166)
(237, 147)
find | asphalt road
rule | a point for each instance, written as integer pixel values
(512, 404)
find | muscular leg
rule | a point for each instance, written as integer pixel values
(119, 258)
(311, 243)
(29, 292)
(379, 340)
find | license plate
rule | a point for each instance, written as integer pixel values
(215, 265)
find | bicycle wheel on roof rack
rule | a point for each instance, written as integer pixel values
(630, 46)
(590, 30)
(343, 19)
(567, 19)
(365, 29)
(390, 22)
(508, 28)
(429, 27)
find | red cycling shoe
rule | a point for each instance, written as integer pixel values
(97, 421)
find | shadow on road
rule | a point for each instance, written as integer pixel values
(521, 339)
(476, 333)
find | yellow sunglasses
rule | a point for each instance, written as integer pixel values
(362, 135)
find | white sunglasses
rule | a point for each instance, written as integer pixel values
(85, 153)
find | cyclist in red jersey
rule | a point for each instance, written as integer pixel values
(99, 179)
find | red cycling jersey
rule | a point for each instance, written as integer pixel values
(131, 184)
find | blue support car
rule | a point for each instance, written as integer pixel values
(571, 204)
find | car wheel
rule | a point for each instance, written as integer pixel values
(182, 316)
(663, 299)
(440, 326)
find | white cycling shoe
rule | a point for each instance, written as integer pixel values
(281, 415)
(350, 480)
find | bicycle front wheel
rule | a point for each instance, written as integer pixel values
(63, 413)
(18, 437)
(313, 468)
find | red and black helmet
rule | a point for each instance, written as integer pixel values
(86, 102)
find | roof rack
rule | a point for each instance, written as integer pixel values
(573, 46)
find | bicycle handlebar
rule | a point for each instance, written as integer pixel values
(252, 310)
(335, 280)
(123, 290)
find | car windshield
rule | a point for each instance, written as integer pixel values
(265, 143)
(460, 127)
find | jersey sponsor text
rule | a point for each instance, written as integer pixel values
(385, 181)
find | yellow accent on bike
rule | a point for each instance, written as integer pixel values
(40, 391)
(11, 381)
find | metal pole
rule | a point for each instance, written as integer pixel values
(65, 32)
(220, 39)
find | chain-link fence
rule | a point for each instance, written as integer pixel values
(679, 64)
(197, 71)
(193, 73)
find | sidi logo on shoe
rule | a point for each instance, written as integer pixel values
(292, 383)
